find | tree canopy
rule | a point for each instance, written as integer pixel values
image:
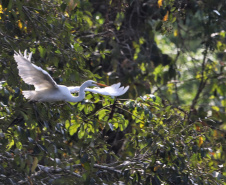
(169, 128)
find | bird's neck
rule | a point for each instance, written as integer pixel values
(81, 94)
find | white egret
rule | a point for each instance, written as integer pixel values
(113, 90)
(46, 89)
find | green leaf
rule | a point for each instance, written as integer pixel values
(42, 51)
(10, 144)
(102, 113)
(81, 133)
(73, 128)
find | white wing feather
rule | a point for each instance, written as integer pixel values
(32, 74)
(113, 90)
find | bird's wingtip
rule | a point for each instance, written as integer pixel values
(25, 53)
(15, 53)
(30, 55)
(117, 85)
(125, 89)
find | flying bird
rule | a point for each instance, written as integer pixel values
(113, 90)
(47, 90)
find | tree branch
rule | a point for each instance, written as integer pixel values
(201, 85)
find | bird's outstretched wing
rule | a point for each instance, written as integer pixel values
(113, 90)
(32, 74)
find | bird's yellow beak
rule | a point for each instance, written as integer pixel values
(102, 85)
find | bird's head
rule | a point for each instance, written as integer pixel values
(93, 83)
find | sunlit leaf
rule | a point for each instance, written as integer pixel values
(200, 141)
(20, 25)
(73, 128)
(160, 3)
(42, 51)
(81, 133)
(165, 18)
(11, 143)
(1, 9)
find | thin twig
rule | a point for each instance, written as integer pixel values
(201, 85)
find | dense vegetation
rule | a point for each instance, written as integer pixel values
(169, 128)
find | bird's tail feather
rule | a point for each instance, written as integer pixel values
(29, 94)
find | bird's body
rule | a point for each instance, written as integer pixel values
(47, 90)
(61, 93)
